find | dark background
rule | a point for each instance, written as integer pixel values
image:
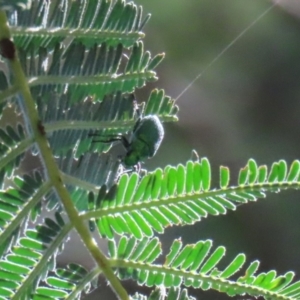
(246, 105)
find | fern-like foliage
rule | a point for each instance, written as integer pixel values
(48, 23)
(182, 195)
(70, 68)
(196, 265)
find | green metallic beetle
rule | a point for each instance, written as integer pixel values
(145, 140)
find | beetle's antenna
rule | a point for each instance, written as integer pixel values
(238, 37)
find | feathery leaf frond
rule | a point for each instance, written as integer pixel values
(161, 294)
(95, 71)
(66, 283)
(85, 21)
(68, 126)
(182, 195)
(17, 203)
(15, 4)
(12, 147)
(196, 265)
(83, 175)
(70, 69)
(32, 257)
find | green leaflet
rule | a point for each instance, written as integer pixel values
(73, 79)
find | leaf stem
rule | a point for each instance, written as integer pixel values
(20, 81)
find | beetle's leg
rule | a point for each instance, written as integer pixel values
(115, 139)
(194, 155)
(138, 108)
(138, 167)
(136, 125)
(112, 138)
(139, 114)
(125, 142)
(142, 172)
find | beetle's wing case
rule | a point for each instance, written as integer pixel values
(151, 131)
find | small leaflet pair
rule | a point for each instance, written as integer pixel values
(143, 143)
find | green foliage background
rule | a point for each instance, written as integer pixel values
(246, 105)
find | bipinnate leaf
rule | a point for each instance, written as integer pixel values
(196, 265)
(172, 196)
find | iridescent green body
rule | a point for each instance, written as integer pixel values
(145, 139)
(147, 136)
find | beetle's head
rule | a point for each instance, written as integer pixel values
(131, 159)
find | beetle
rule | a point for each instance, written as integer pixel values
(144, 142)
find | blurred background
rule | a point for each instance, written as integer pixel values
(246, 105)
